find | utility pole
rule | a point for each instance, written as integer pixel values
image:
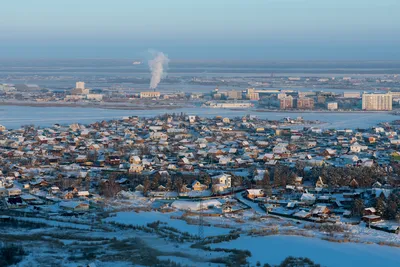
(201, 221)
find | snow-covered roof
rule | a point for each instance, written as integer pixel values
(194, 205)
(307, 197)
(301, 214)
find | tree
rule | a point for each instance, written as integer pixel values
(398, 216)
(380, 205)
(281, 175)
(357, 207)
(236, 180)
(299, 167)
(268, 190)
(155, 183)
(65, 182)
(178, 184)
(298, 262)
(11, 255)
(393, 206)
(291, 178)
(87, 182)
(146, 185)
(266, 184)
(110, 188)
(206, 179)
(168, 185)
(277, 176)
(247, 183)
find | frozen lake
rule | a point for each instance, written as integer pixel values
(274, 249)
(15, 116)
(143, 218)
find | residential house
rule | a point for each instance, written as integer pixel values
(254, 193)
(221, 182)
(197, 186)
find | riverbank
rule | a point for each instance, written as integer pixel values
(324, 111)
(103, 105)
(172, 106)
(14, 116)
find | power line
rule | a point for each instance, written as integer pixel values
(201, 220)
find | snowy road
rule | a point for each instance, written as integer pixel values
(252, 204)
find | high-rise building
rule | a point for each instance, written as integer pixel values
(252, 94)
(286, 102)
(305, 103)
(80, 89)
(281, 95)
(395, 94)
(234, 94)
(377, 101)
(80, 85)
(306, 94)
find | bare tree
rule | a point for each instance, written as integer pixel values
(110, 188)
(146, 185)
(357, 207)
(178, 184)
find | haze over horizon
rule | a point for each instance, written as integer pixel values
(203, 30)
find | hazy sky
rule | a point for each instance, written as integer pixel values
(203, 29)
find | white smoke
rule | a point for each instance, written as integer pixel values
(157, 67)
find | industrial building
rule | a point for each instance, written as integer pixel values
(150, 94)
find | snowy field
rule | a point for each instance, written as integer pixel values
(43, 243)
(54, 223)
(274, 249)
(143, 218)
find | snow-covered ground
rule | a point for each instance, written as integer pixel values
(274, 249)
(54, 223)
(253, 205)
(360, 232)
(195, 205)
(143, 218)
(282, 238)
(266, 249)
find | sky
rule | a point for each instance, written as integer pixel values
(202, 30)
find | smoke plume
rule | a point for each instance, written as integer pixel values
(157, 66)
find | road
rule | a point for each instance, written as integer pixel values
(252, 204)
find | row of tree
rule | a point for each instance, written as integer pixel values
(342, 176)
(388, 209)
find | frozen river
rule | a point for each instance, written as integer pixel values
(15, 116)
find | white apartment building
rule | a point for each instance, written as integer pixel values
(351, 94)
(332, 105)
(80, 85)
(377, 102)
(150, 94)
